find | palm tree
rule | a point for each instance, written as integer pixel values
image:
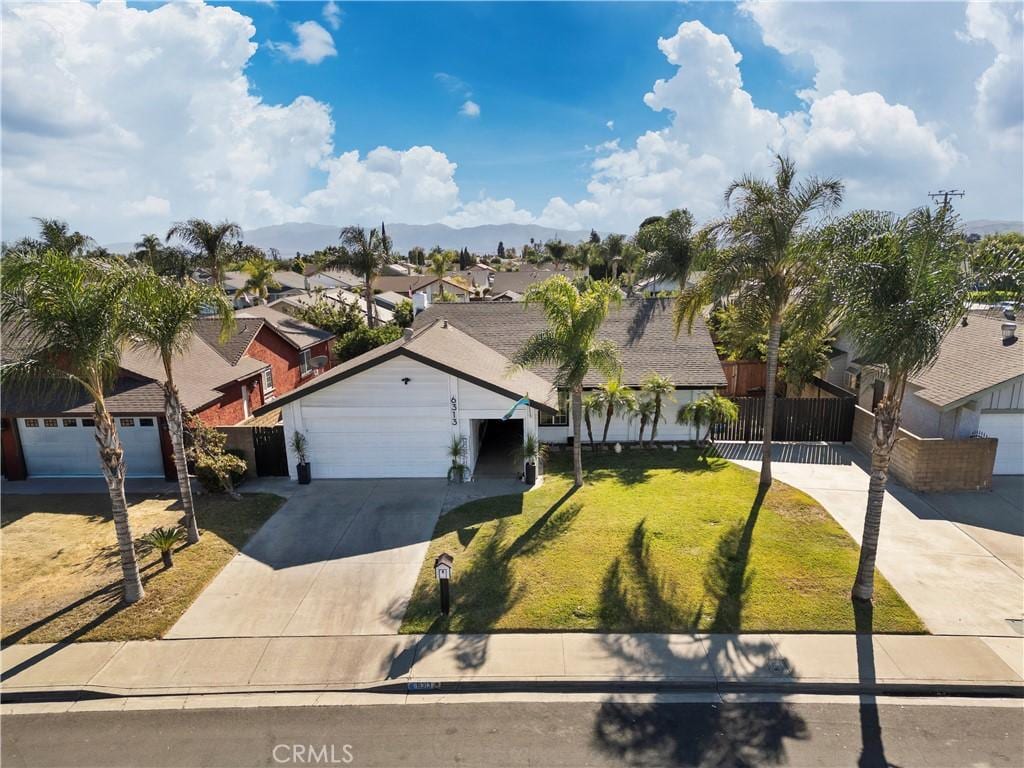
(610, 251)
(147, 250)
(645, 409)
(591, 406)
(557, 251)
(616, 399)
(56, 235)
(65, 320)
(168, 313)
(570, 343)
(658, 388)
(669, 246)
(261, 280)
(440, 262)
(366, 254)
(762, 265)
(710, 409)
(902, 285)
(212, 241)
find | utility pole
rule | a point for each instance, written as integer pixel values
(944, 195)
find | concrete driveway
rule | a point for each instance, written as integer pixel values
(339, 558)
(956, 558)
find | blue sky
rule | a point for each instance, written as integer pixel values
(572, 115)
(547, 76)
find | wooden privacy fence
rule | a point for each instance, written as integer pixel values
(271, 458)
(797, 419)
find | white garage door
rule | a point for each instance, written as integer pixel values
(67, 448)
(1009, 429)
(376, 443)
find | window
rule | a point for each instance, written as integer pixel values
(127, 422)
(145, 422)
(70, 422)
(88, 422)
(31, 422)
(561, 418)
(49, 422)
(268, 381)
(304, 362)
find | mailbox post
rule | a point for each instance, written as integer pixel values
(443, 571)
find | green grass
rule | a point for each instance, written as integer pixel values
(654, 542)
(62, 574)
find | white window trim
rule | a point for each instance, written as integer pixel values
(268, 373)
(246, 406)
(305, 362)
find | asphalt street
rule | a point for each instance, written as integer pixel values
(572, 733)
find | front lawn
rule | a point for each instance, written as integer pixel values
(655, 541)
(62, 575)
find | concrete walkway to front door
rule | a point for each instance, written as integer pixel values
(956, 558)
(339, 558)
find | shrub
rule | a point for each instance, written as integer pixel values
(218, 470)
(165, 540)
(404, 314)
(363, 339)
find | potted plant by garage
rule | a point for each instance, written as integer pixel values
(531, 453)
(302, 468)
(457, 471)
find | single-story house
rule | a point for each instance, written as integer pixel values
(288, 284)
(394, 411)
(518, 282)
(268, 354)
(975, 388)
(409, 285)
(660, 285)
(293, 303)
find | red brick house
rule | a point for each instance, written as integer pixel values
(268, 354)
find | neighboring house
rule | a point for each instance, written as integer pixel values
(394, 411)
(268, 354)
(654, 286)
(506, 296)
(975, 388)
(289, 284)
(518, 282)
(293, 303)
(410, 285)
(478, 275)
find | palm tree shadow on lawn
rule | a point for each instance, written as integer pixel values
(637, 466)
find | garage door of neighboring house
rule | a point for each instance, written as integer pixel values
(66, 447)
(376, 443)
(1009, 429)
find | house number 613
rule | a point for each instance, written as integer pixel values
(455, 412)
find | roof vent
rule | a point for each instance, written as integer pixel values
(407, 333)
(444, 323)
(1009, 333)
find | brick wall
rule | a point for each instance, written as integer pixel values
(932, 464)
(228, 410)
(283, 359)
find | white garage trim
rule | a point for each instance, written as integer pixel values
(66, 446)
(1008, 428)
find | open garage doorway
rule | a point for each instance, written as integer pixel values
(499, 441)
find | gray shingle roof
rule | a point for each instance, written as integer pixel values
(298, 333)
(404, 283)
(446, 348)
(130, 396)
(234, 347)
(524, 278)
(970, 360)
(642, 329)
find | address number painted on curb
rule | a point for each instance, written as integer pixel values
(417, 685)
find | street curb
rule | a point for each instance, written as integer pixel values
(455, 687)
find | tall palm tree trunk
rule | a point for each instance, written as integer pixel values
(370, 319)
(657, 416)
(577, 448)
(590, 428)
(176, 428)
(607, 423)
(884, 434)
(112, 460)
(774, 334)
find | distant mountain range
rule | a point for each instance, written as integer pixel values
(992, 227)
(483, 239)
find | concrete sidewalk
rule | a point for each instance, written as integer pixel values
(555, 662)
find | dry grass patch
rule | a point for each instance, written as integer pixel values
(62, 576)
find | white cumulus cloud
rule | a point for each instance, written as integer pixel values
(469, 109)
(313, 44)
(488, 211)
(332, 14)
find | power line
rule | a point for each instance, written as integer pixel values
(944, 195)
